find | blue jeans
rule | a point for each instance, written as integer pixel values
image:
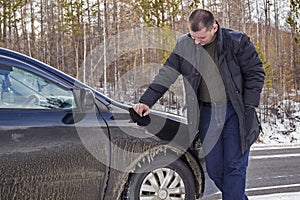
(225, 163)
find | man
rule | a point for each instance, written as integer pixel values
(223, 79)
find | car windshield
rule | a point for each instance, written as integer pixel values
(23, 89)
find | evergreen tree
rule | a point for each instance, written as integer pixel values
(294, 18)
(268, 83)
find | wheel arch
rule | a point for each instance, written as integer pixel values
(148, 156)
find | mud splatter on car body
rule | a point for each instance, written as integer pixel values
(78, 143)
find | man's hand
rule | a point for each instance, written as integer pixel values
(141, 109)
(249, 118)
(139, 113)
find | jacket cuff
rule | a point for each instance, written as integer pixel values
(151, 95)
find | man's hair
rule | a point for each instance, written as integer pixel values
(200, 19)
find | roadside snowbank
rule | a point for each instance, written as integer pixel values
(283, 124)
(279, 134)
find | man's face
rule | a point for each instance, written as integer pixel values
(204, 36)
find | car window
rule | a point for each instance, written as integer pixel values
(24, 89)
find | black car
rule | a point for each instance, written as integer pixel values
(61, 139)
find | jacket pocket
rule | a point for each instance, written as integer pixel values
(252, 126)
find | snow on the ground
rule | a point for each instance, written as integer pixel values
(282, 125)
(279, 134)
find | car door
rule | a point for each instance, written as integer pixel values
(42, 155)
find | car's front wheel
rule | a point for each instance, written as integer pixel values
(166, 178)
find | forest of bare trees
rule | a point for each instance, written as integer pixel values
(106, 43)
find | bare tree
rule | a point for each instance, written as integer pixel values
(62, 33)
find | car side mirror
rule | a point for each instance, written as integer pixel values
(85, 103)
(85, 100)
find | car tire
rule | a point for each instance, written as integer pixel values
(149, 181)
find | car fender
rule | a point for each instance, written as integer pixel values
(116, 187)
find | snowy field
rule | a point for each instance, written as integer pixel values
(283, 127)
(280, 133)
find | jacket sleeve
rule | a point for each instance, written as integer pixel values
(166, 76)
(252, 71)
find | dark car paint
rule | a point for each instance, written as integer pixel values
(44, 158)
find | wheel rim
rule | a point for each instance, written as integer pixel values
(162, 184)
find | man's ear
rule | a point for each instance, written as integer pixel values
(215, 27)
